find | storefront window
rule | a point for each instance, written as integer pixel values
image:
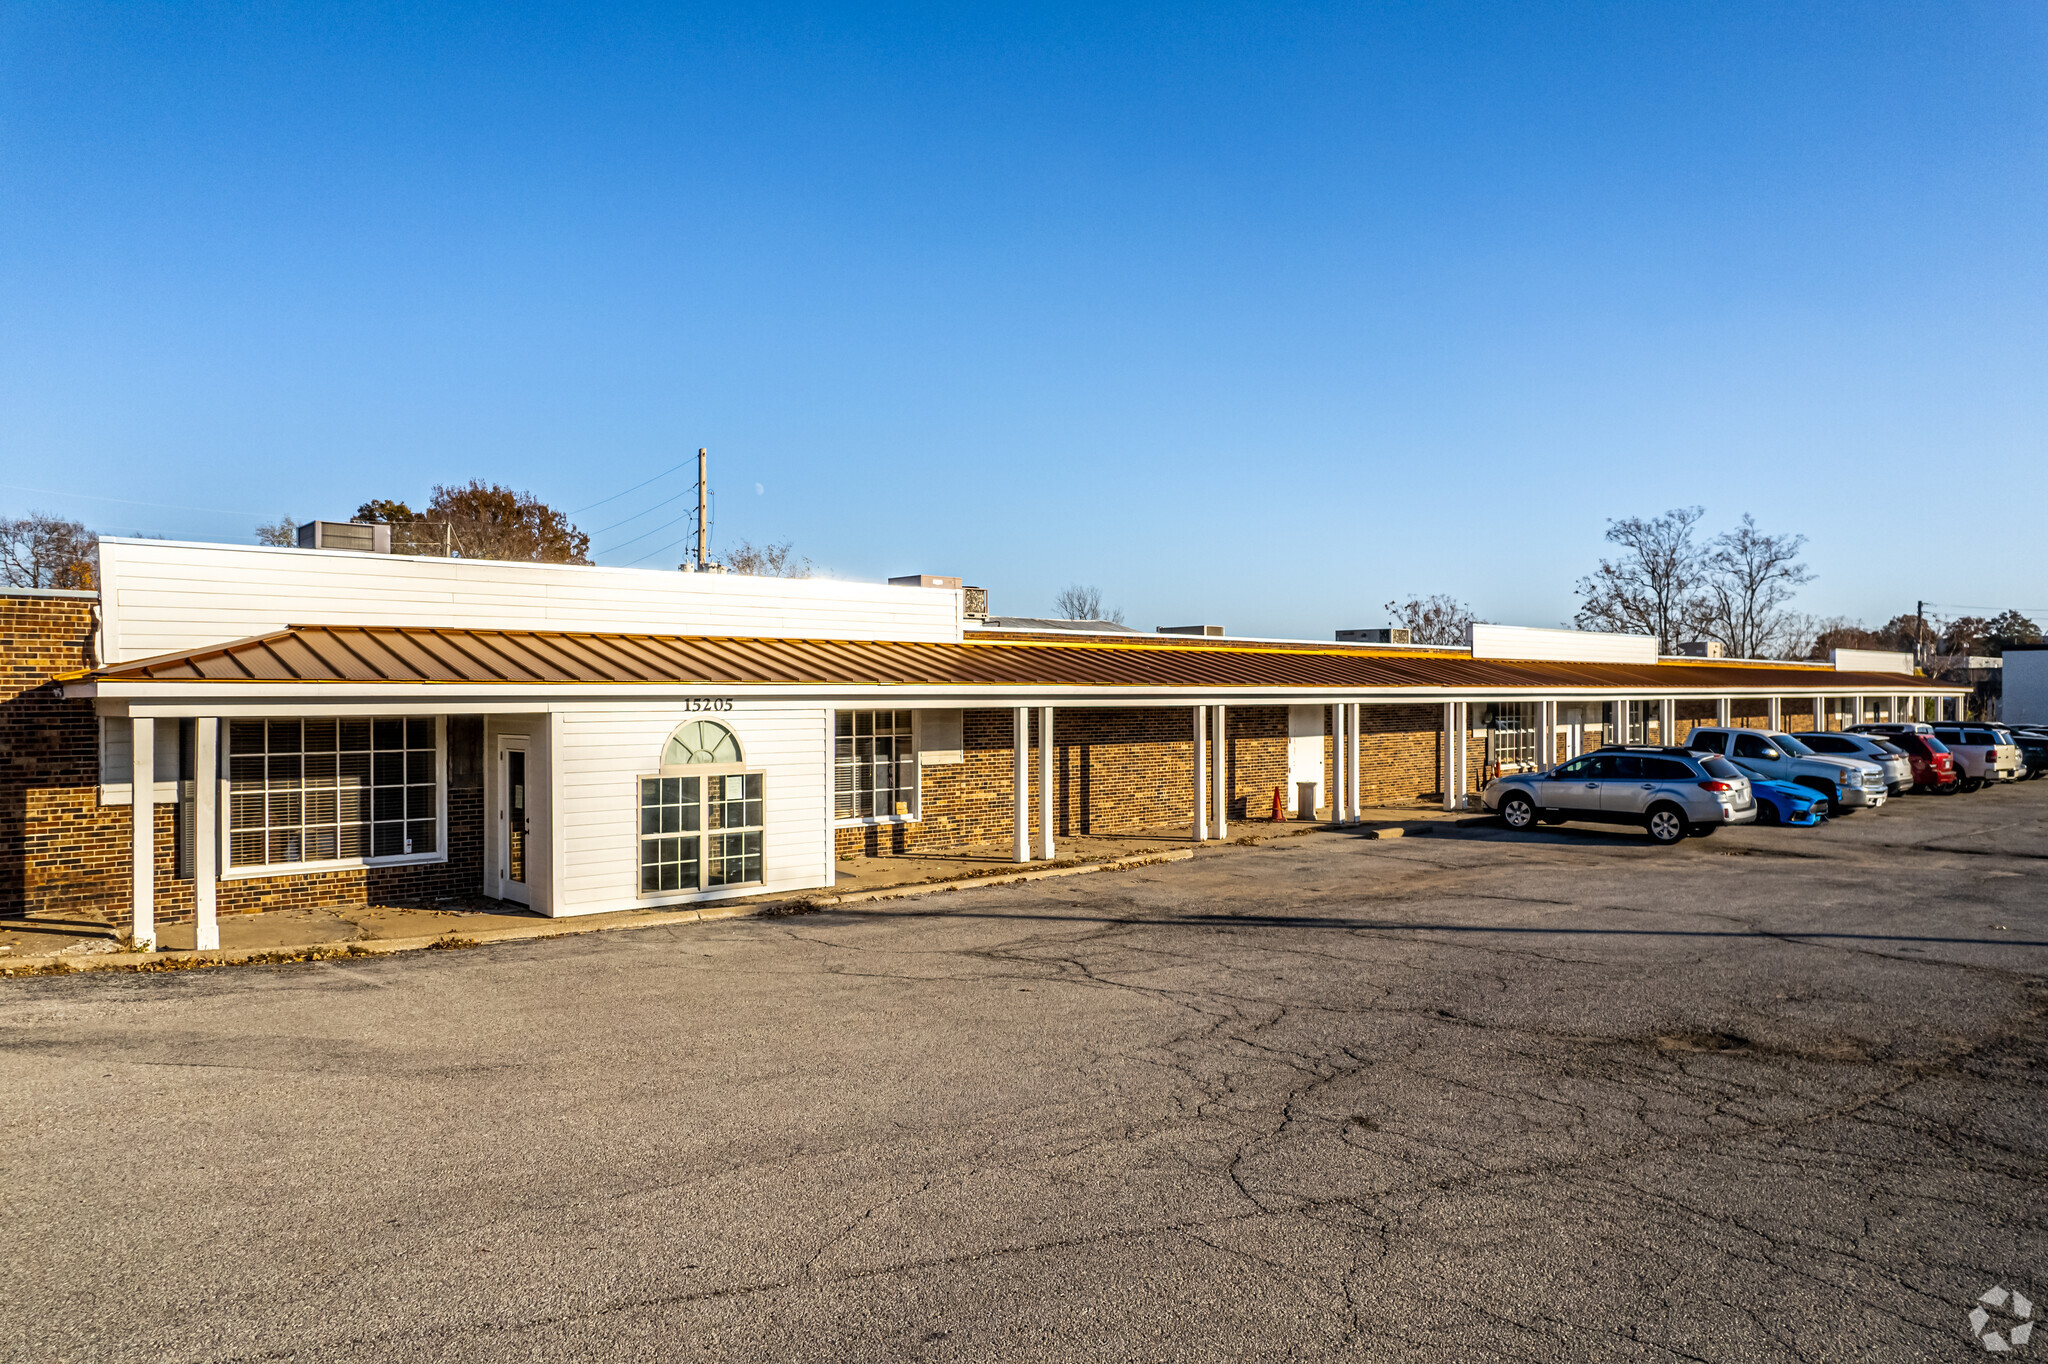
(332, 790)
(874, 764)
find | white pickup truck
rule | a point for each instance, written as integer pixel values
(1848, 783)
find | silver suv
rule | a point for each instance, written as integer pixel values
(1847, 782)
(1668, 791)
(1898, 768)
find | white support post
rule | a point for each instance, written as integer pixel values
(1045, 783)
(206, 831)
(1353, 757)
(1820, 714)
(1201, 774)
(142, 840)
(1020, 721)
(1667, 721)
(1338, 777)
(1219, 771)
(1724, 710)
(1774, 719)
(1620, 734)
(1450, 779)
(1464, 751)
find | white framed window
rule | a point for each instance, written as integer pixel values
(874, 765)
(333, 791)
(703, 816)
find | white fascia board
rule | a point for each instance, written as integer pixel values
(318, 698)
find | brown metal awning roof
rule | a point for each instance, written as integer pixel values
(377, 655)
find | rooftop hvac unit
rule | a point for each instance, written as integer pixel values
(1209, 631)
(355, 535)
(1390, 635)
(925, 580)
(1702, 648)
(974, 603)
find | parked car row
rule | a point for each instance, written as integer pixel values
(1722, 776)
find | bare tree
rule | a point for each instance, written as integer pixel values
(767, 561)
(1439, 619)
(283, 531)
(1080, 602)
(1751, 578)
(42, 550)
(1657, 585)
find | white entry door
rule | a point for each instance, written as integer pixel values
(510, 812)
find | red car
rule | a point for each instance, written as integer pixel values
(1934, 767)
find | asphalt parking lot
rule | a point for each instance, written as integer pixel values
(1777, 1094)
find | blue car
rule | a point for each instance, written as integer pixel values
(1780, 802)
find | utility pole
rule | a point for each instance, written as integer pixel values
(703, 529)
(1920, 636)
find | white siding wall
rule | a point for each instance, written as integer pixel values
(604, 752)
(163, 596)
(1306, 742)
(1568, 646)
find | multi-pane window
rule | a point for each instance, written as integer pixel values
(1511, 733)
(874, 764)
(734, 812)
(703, 830)
(331, 790)
(670, 821)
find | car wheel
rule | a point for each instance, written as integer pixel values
(1972, 783)
(1518, 813)
(1667, 825)
(1766, 813)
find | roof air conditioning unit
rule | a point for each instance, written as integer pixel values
(1702, 648)
(975, 603)
(1207, 631)
(355, 535)
(1393, 634)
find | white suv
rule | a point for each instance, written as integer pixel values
(1984, 753)
(1848, 783)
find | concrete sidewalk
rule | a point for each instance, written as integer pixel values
(38, 946)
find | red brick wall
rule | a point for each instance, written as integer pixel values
(60, 853)
(1116, 771)
(63, 854)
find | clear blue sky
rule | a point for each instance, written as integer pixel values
(1256, 316)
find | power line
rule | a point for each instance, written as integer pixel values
(663, 550)
(129, 501)
(643, 511)
(634, 489)
(645, 533)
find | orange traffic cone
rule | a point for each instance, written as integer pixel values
(1279, 807)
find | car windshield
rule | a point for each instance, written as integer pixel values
(1786, 743)
(1717, 766)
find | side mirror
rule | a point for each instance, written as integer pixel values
(1770, 754)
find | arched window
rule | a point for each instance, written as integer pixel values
(700, 741)
(702, 820)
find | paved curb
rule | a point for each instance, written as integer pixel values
(861, 897)
(154, 962)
